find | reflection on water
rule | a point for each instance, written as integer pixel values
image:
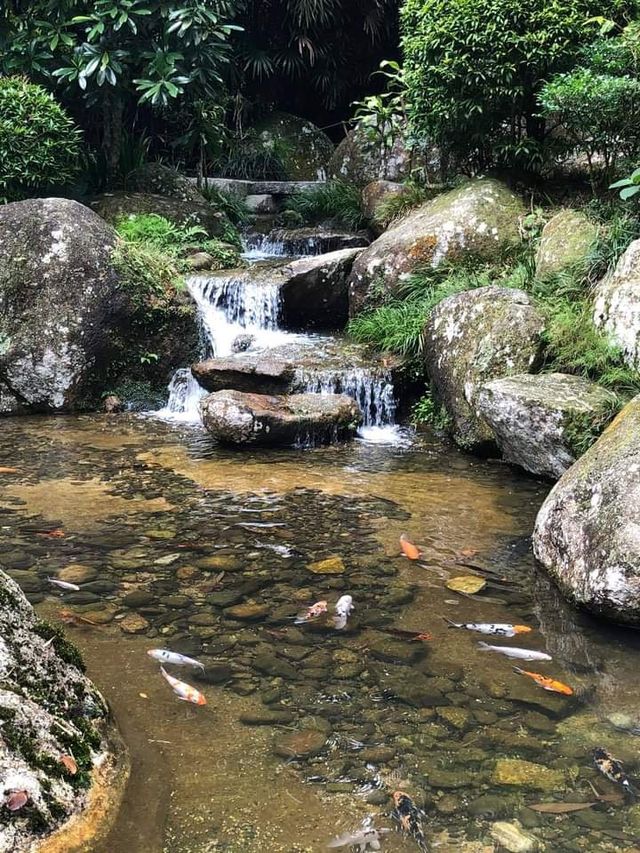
(307, 730)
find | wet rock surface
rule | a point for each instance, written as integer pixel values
(49, 712)
(586, 531)
(319, 240)
(474, 337)
(238, 418)
(480, 218)
(540, 422)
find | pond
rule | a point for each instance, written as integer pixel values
(176, 543)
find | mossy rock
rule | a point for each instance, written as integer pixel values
(567, 241)
(115, 206)
(303, 147)
(162, 180)
(527, 776)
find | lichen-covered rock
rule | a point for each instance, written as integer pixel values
(474, 337)
(543, 423)
(375, 193)
(58, 298)
(279, 421)
(587, 533)
(115, 206)
(359, 160)
(72, 318)
(162, 180)
(314, 293)
(617, 305)
(48, 711)
(479, 218)
(307, 150)
(567, 239)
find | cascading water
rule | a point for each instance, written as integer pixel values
(247, 302)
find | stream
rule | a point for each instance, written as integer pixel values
(178, 543)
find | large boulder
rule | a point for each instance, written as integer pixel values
(157, 179)
(543, 422)
(115, 206)
(587, 533)
(74, 319)
(472, 338)
(567, 240)
(359, 160)
(58, 299)
(617, 305)
(52, 719)
(279, 421)
(303, 147)
(249, 373)
(374, 194)
(315, 291)
(479, 219)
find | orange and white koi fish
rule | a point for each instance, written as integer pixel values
(497, 629)
(546, 683)
(314, 612)
(182, 690)
(344, 608)
(408, 548)
(614, 771)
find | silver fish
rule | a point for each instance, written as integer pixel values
(510, 652)
(364, 838)
(497, 629)
(70, 587)
(165, 656)
(344, 608)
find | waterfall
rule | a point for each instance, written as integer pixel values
(372, 391)
(185, 394)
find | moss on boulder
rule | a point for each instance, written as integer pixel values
(479, 219)
(162, 180)
(567, 240)
(304, 149)
(115, 206)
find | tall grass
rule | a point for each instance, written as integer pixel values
(336, 201)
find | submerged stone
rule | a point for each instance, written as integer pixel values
(329, 566)
(513, 772)
(513, 838)
(302, 744)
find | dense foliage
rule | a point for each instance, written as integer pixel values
(474, 69)
(39, 143)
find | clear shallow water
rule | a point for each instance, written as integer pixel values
(155, 513)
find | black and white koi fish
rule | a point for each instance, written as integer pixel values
(496, 629)
(613, 770)
(408, 816)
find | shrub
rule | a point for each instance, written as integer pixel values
(39, 144)
(474, 68)
(335, 200)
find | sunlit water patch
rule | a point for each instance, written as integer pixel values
(176, 543)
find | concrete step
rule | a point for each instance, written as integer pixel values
(274, 188)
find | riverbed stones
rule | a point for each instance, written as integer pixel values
(329, 566)
(541, 422)
(279, 421)
(300, 745)
(314, 293)
(134, 623)
(247, 612)
(53, 326)
(474, 337)
(617, 305)
(586, 533)
(77, 573)
(479, 219)
(566, 242)
(512, 837)
(528, 776)
(41, 682)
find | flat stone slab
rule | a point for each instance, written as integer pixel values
(235, 418)
(245, 188)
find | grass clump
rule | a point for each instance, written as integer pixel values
(228, 202)
(336, 201)
(396, 206)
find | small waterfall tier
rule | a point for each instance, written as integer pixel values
(296, 242)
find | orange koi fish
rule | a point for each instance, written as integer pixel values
(182, 690)
(314, 612)
(6, 470)
(16, 800)
(546, 683)
(408, 548)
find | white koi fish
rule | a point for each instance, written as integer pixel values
(344, 608)
(497, 629)
(520, 654)
(70, 587)
(182, 690)
(165, 656)
(363, 839)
